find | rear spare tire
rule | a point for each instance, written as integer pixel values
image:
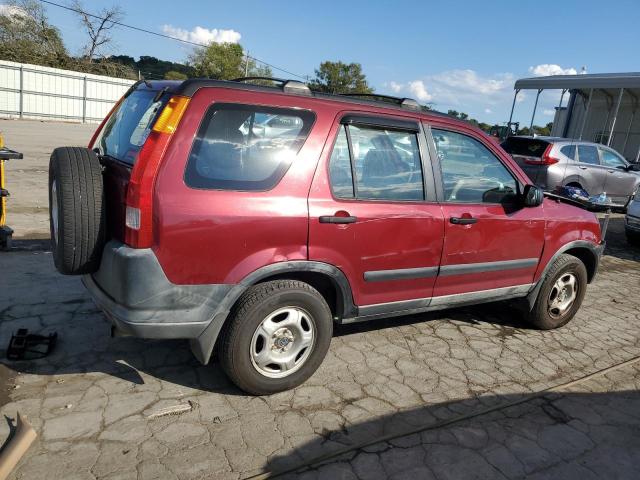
(76, 210)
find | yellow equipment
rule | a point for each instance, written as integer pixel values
(5, 232)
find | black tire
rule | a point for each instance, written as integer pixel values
(78, 242)
(541, 316)
(257, 303)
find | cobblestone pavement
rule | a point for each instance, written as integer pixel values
(95, 400)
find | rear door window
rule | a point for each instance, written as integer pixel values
(246, 147)
(588, 154)
(386, 164)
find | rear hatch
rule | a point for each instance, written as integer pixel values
(528, 154)
(118, 144)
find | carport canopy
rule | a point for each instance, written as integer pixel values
(613, 85)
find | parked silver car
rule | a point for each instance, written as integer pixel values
(632, 221)
(551, 162)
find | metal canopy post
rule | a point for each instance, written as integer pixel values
(586, 114)
(633, 116)
(564, 90)
(615, 115)
(533, 115)
(513, 105)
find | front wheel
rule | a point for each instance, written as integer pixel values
(277, 337)
(561, 293)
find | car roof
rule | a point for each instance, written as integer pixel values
(190, 86)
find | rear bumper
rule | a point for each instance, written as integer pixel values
(135, 294)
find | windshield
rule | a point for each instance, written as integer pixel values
(527, 147)
(128, 127)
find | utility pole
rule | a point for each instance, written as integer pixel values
(246, 64)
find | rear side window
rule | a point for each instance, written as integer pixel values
(588, 154)
(246, 147)
(569, 151)
(526, 147)
(386, 165)
(128, 127)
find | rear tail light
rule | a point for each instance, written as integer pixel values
(139, 212)
(546, 158)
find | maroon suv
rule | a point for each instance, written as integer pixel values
(253, 218)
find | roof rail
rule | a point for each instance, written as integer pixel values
(288, 86)
(409, 103)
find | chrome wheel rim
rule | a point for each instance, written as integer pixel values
(563, 294)
(54, 209)
(283, 342)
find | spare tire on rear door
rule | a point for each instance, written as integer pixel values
(76, 206)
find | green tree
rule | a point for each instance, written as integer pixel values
(173, 75)
(339, 77)
(26, 36)
(225, 61)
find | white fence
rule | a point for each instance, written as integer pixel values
(32, 91)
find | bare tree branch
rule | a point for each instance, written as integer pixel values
(97, 29)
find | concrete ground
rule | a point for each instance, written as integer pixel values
(464, 393)
(28, 205)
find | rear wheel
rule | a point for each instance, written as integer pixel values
(561, 293)
(77, 217)
(277, 337)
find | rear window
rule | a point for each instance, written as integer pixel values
(527, 147)
(128, 127)
(246, 147)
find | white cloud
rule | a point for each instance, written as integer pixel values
(549, 111)
(395, 87)
(457, 88)
(203, 35)
(488, 110)
(419, 91)
(547, 69)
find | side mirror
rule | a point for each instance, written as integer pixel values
(633, 167)
(532, 196)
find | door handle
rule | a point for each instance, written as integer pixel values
(338, 219)
(463, 220)
(582, 168)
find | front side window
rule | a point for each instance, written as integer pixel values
(386, 164)
(588, 154)
(246, 147)
(471, 173)
(610, 159)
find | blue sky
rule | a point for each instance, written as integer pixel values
(463, 55)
